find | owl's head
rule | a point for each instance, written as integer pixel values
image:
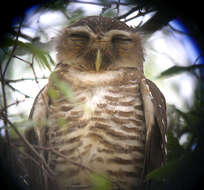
(100, 43)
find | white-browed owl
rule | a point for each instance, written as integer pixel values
(111, 122)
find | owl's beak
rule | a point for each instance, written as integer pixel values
(98, 60)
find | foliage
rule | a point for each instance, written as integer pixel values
(184, 166)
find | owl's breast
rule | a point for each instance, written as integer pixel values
(103, 130)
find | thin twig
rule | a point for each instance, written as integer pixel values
(118, 7)
(16, 90)
(4, 105)
(32, 159)
(138, 15)
(13, 49)
(72, 162)
(32, 67)
(99, 4)
(3, 86)
(51, 149)
(62, 156)
(128, 13)
(25, 61)
(30, 147)
(23, 79)
(36, 78)
(12, 104)
(178, 31)
(25, 154)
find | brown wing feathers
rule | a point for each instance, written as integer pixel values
(155, 148)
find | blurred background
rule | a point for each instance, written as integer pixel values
(173, 42)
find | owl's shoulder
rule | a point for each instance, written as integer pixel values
(41, 101)
(159, 101)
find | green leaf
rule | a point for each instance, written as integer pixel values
(164, 172)
(192, 118)
(177, 157)
(62, 122)
(42, 57)
(50, 59)
(64, 88)
(175, 150)
(53, 94)
(174, 70)
(173, 169)
(100, 182)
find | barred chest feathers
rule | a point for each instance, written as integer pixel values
(104, 128)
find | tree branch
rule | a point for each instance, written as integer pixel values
(140, 13)
(156, 22)
(128, 13)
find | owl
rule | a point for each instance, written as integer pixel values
(98, 115)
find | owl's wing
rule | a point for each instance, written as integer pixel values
(39, 113)
(36, 137)
(156, 125)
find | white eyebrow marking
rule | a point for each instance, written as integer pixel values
(118, 32)
(112, 32)
(86, 29)
(79, 28)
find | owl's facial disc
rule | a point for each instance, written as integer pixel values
(91, 49)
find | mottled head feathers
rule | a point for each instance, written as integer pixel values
(99, 43)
